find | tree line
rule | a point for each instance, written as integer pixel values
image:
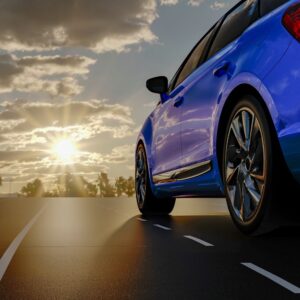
(71, 185)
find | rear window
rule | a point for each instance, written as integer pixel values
(266, 6)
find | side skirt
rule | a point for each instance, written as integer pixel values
(188, 172)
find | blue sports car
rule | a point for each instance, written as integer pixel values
(228, 123)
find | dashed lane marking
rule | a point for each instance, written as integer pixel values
(162, 227)
(280, 281)
(199, 241)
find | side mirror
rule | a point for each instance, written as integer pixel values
(158, 85)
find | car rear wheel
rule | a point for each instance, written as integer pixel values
(249, 168)
(147, 203)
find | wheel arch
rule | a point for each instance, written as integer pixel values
(238, 92)
(145, 139)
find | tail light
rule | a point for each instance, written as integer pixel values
(291, 21)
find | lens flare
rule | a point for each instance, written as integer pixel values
(65, 150)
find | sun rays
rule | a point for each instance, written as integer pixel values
(65, 150)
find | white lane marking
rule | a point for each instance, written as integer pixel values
(206, 244)
(142, 220)
(289, 286)
(162, 227)
(11, 250)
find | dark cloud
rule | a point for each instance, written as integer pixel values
(31, 74)
(98, 25)
(21, 156)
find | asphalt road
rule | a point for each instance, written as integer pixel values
(102, 249)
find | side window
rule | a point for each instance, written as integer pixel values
(193, 60)
(266, 6)
(235, 23)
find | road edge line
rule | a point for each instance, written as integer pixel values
(13, 247)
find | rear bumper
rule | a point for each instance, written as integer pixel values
(290, 145)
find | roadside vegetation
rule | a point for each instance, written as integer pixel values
(70, 185)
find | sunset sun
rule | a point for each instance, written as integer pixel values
(65, 150)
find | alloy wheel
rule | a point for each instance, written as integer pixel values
(245, 165)
(141, 177)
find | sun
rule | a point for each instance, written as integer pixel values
(65, 150)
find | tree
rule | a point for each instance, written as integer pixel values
(33, 189)
(70, 185)
(130, 187)
(106, 189)
(91, 189)
(120, 185)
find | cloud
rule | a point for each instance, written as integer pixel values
(168, 2)
(215, 5)
(53, 65)
(31, 74)
(26, 125)
(41, 114)
(121, 154)
(174, 2)
(195, 2)
(98, 25)
(21, 156)
(30, 129)
(218, 5)
(22, 166)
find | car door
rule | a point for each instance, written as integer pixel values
(167, 117)
(204, 87)
(166, 137)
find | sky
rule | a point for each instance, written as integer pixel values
(72, 80)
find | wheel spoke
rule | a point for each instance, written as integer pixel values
(251, 189)
(231, 174)
(238, 196)
(247, 126)
(255, 131)
(258, 177)
(140, 163)
(142, 190)
(236, 129)
(257, 157)
(246, 204)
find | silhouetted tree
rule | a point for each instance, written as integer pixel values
(70, 185)
(91, 189)
(130, 187)
(105, 188)
(33, 189)
(53, 193)
(120, 185)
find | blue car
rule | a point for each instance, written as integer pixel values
(228, 123)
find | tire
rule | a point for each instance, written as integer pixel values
(253, 170)
(147, 203)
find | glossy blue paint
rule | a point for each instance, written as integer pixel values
(166, 136)
(264, 58)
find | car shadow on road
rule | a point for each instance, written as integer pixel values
(139, 257)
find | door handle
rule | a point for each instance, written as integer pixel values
(178, 101)
(222, 69)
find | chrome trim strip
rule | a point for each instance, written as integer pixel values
(188, 172)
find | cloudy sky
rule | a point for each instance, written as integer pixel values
(72, 77)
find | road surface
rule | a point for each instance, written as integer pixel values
(103, 249)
